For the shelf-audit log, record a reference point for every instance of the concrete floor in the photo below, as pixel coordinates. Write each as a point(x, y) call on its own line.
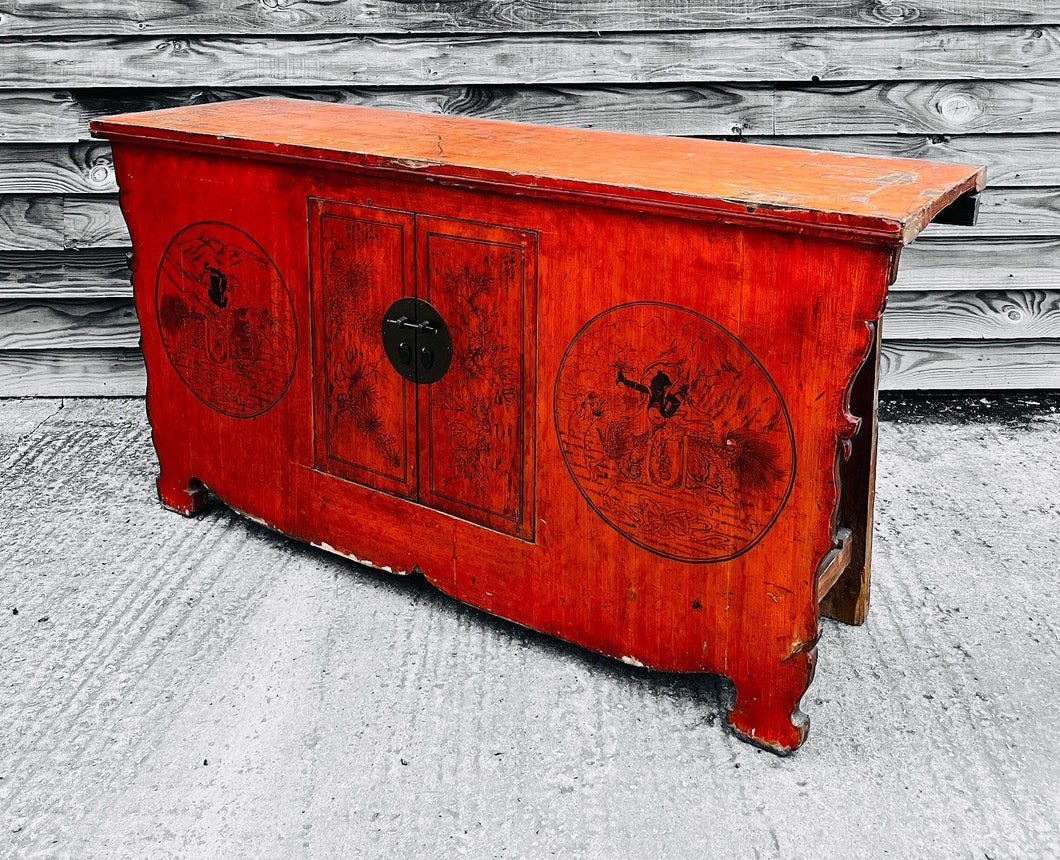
point(205, 688)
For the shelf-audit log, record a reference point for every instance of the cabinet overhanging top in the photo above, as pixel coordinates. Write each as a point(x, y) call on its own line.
point(890, 199)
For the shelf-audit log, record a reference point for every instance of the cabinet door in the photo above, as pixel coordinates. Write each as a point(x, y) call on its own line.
point(477, 421)
point(364, 412)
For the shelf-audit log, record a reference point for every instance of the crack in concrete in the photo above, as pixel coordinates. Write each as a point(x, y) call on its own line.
point(16, 449)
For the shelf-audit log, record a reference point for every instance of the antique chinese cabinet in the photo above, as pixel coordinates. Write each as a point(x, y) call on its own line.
point(619, 389)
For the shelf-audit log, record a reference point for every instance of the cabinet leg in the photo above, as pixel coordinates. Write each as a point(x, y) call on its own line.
point(186, 496)
point(766, 712)
point(848, 600)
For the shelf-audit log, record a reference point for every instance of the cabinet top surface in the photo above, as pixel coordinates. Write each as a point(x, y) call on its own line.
point(889, 198)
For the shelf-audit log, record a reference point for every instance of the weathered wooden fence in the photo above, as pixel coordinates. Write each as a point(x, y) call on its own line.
point(964, 80)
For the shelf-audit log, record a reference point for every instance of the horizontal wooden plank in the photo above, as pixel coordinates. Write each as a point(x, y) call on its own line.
point(749, 109)
point(68, 324)
point(57, 222)
point(970, 365)
point(1010, 160)
point(919, 107)
point(96, 273)
point(246, 17)
point(1017, 212)
point(970, 315)
point(986, 277)
point(72, 373)
point(80, 168)
point(982, 264)
point(692, 110)
point(31, 223)
point(942, 365)
point(31, 116)
point(637, 58)
point(93, 222)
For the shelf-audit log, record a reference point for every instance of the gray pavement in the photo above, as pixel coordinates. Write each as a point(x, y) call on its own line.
point(206, 688)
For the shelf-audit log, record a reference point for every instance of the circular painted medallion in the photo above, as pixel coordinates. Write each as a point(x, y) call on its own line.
point(673, 431)
point(226, 319)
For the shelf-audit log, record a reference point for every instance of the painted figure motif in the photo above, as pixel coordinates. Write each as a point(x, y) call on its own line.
point(226, 319)
point(673, 431)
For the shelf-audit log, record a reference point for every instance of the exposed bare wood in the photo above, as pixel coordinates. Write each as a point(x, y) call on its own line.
point(72, 373)
point(758, 55)
point(66, 324)
point(90, 274)
point(245, 17)
point(835, 563)
point(952, 315)
point(847, 600)
point(970, 365)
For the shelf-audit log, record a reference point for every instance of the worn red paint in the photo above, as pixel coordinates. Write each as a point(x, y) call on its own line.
point(635, 446)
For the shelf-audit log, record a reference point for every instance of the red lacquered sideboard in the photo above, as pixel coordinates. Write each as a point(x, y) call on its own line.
point(619, 389)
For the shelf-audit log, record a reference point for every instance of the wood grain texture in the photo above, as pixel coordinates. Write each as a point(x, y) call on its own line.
point(967, 315)
point(68, 324)
point(31, 223)
point(988, 263)
point(64, 116)
point(756, 55)
point(28, 116)
point(82, 168)
point(919, 107)
point(89, 274)
point(93, 222)
point(724, 109)
point(245, 17)
point(72, 373)
point(56, 222)
point(970, 365)
point(1016, 212)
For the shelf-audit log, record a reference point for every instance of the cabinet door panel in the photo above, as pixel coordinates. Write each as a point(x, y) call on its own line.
point(476, 452)
point(365, 419)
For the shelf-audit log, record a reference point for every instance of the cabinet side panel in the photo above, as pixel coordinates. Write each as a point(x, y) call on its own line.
point(476, 447)
point(364, 411)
